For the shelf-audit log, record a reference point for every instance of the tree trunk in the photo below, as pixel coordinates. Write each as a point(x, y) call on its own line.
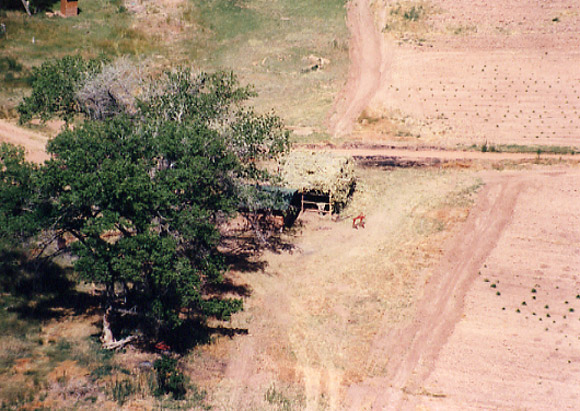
point(108, 340)
point(25, 3)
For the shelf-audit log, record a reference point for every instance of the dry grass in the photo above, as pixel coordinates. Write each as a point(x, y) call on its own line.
point(314, 314)
point(268, 44)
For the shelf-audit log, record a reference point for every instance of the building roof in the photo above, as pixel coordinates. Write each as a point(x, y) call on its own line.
point(319, 172)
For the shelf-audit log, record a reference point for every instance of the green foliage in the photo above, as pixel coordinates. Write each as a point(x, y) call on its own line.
point(54, 85)
point(20, 215)
point(169, 379)
point(17, 188)
point(122, 390)
point(142, 192)
point(414, 13)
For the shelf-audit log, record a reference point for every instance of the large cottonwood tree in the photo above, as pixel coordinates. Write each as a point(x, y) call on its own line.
point(141, 193)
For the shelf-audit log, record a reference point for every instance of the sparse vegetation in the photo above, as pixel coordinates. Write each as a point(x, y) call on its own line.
point(169, 379)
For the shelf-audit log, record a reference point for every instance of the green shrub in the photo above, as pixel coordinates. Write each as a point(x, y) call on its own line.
point(54, 85)
point(122, 390)
point(169, 379)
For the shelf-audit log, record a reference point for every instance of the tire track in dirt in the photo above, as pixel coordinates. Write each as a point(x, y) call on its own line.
point(413, 349)
point(368, 61)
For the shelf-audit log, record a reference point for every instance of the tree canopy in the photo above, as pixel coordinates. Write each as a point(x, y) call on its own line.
point(141, 192)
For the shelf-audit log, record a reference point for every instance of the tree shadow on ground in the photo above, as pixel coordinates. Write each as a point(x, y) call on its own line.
point(43, 288)
point(244, 245)
point(191, 334)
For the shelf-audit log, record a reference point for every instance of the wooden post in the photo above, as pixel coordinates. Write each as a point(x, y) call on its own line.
point(329, 203)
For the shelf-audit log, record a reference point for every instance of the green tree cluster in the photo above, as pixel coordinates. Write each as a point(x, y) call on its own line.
point(141, 193)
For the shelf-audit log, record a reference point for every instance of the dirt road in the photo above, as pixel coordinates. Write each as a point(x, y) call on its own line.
point(34, 143)
point(414, 348)
point(471, 73)
point(368, 62)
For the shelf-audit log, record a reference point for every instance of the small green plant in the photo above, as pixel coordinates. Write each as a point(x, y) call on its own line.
point(524, 303)
point(169, 379)
point(498, 293)
point(102, 371)
point(414, 13)
point(571, 310)
point(546, 306)
point(533, 290)
point(122, 390)
point(493, 285)
point(274, 397)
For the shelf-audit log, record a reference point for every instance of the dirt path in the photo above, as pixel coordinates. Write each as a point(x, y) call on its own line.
point(368, 62)
point(33, 143)
point(413, 349)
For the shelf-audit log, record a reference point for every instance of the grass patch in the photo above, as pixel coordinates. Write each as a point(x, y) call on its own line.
point(267, 44)
point(519, 148)
point(100, 29)
point(407, 17)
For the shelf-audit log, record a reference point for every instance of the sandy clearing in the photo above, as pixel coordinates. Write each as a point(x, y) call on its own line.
point(462, 350)
point(481, 72)
point(416, 345)
point(502, 359)
point(314, 313)
point(34, 143)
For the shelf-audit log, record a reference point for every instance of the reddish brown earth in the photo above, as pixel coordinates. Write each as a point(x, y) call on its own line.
point(478, 72)
point(34, 143)
point(473, 343)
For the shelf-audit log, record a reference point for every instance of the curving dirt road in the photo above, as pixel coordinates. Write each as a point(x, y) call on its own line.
point(368, 62)
point(34, 143)
point(413, 349)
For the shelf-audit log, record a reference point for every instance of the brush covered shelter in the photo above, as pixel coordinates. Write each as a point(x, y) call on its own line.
point(323, 180)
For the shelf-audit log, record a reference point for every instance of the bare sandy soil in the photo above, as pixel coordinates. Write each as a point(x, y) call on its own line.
point(516, 345)
point(34, 143)
point(496, 327)
point(318, 314)
point(436, 304)
point(506, 74)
